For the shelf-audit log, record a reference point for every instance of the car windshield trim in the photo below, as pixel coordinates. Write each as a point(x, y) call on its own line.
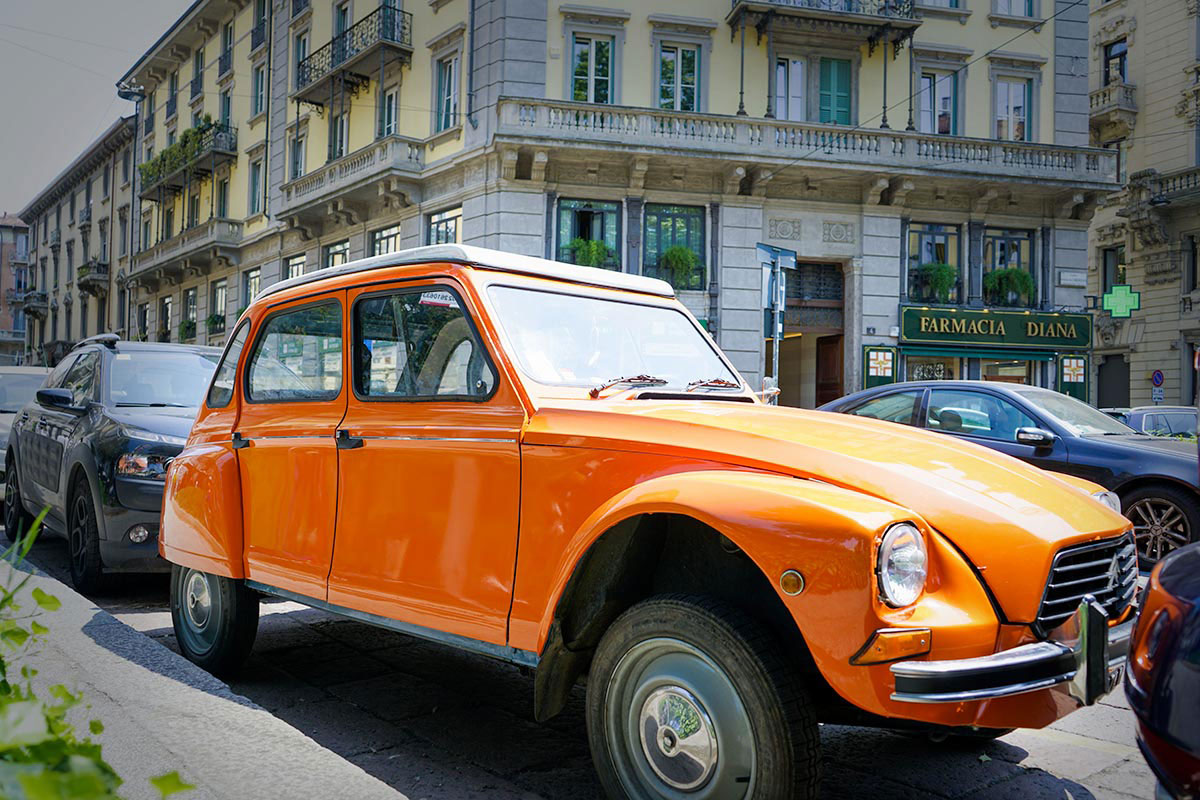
point(1076, 416)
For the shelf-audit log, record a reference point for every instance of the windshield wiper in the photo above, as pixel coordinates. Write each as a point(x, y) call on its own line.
point(150, 405)
point(712, 383)
point(632, 380)
point(9, 410)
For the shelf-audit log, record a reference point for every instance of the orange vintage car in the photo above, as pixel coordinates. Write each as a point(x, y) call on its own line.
point(555, 466)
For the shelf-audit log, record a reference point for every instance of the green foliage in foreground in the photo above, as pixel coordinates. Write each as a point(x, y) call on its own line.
point(42, 757)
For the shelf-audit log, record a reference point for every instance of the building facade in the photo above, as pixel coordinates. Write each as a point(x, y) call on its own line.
point(14, 278)
point(80, 248)
point(931, 157)
point(1145, 103)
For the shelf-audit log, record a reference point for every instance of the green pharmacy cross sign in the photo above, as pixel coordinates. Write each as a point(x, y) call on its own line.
point(1121, 300)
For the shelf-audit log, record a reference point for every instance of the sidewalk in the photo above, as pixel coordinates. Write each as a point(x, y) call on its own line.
point(162, 713)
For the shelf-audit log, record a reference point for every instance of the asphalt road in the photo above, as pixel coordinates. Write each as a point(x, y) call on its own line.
point(438, 723)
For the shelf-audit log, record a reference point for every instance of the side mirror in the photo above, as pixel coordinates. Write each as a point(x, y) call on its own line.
point(57, 398)
point(1035, 437)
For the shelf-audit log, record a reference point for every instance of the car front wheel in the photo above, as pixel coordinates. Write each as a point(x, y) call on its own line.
point(688, 697)
point(215, 619)
point(1164, 519)
point(17, 520)
point(83, 539)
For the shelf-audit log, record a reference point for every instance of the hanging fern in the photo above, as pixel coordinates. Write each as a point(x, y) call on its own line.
point(1010, 286)
point(937, 281)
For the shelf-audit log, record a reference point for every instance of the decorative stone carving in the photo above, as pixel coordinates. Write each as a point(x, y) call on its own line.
point(1115, 29)
point(1112, 233)
point(837, 232)
point(784, 228)
point(1145, 221)
point(874, 189)
point(508, 165)
point(1107, 330)
point(637, 174)
point(1162, 268)
point(899, 190)
point(733, 179)
point(537, 171)
point(981, 201)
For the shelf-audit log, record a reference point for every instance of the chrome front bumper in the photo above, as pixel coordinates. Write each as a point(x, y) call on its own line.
point(1082, 657)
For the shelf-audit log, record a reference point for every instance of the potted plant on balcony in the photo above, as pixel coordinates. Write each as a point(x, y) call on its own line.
point(1011, 286)
point(590, 252)
point(164, 334)
point(680, 263)
point(215, 323)
point(933, 282)
point(187, 330)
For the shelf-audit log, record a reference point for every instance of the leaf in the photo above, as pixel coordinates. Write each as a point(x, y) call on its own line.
point(47, 602)
point(15, 637)
point(170, 784)
point(22, 724)
point(38, 628)
point(96, 727)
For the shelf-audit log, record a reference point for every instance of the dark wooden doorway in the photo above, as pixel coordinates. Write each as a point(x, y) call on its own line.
point(1112, 390)
point(829, 368)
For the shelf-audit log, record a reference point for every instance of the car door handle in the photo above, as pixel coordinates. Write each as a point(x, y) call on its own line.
point(347, 442)
point(238, 441)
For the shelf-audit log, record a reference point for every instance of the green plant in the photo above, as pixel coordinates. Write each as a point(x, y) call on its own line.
point(178, 155)
point(1008, 287)
point(590, 252)
point(41, 753)
point(680, 263)
point(936, 281)
point(187, 329)
point(215, 322)
point(84, 269)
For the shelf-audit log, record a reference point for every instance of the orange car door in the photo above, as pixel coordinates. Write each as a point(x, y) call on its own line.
point(294, 399)
point(429, 466)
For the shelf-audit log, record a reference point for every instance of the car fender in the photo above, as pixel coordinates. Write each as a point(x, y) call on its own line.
point(79, 456)
point(201, 522)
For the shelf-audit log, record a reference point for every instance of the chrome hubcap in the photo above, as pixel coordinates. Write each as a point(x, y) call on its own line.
point(197, 601)
point(1159, 526)
point(678, 738)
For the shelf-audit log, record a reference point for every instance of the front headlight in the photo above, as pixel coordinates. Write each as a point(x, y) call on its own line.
point(1109, 499)
point(902, 565)
point(141, 465)
point(130, 432)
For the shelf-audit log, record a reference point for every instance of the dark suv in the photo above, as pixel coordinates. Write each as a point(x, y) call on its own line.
point(94, 445)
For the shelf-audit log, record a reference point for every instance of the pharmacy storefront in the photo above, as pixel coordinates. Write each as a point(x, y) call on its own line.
point(1034, 348)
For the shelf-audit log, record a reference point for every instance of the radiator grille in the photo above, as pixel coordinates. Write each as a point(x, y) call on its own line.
point(1107, 570)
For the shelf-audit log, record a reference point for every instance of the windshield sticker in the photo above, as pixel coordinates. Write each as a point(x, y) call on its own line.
point(443, 299)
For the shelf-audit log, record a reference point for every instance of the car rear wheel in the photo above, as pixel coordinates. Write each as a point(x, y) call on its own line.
point(83, 539)
point(215, 619)
point(17, 520)
point(688, 697)
point(1164, 519)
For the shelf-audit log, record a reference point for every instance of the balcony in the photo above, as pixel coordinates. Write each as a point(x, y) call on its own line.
point(1113, 111)
point(197, 86)
point(299, 7)
point(92, 277)
point(85, 217)
point(19, 257)
point(173, 169)
point(389, 168)
point(224, 63)
point(36, 304)
point(193, 251)
point(853, 20)
point(9, 335)
point(14, 297)
point(258, 35)
point(800, 146)
point(386, 29)
point(172, 105)
point(55, 239)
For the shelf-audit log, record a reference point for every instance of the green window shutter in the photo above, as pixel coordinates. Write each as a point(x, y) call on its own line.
point(835, 91)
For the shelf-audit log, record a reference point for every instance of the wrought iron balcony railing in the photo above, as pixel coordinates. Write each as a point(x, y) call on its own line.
point(197, 86)
point(895, 9)
point(172, 105)
point(85, 216)
point(258, 35)
point(215, 145)
point(55, 238)
point(386, 24)
point(299, 6)
point(148, 124)
point(225, 63)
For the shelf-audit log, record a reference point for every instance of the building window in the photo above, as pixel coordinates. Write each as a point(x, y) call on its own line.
point(223, 197)
point(1115, 55)
point(1015, 8)
point(125, 166)
point(337, 254)
point(258, 90)
point(105, 180)
point(256, 170)
point(1114, 267)
point(446, 98)
point(122, 236)
point(103, 234)
point(835, 92)
point(385, 241)
point(341, 18)
point(387, 113)
point(446, 227)
point(939, 103)
point(164, 319)
point(1013, 101)
point(934, 274)
point(678, 77)
point(293, 267)
point(193, 216)
point(143, 320)
point(338, 134)
point(671, 234)
point(300, 52)
point(251, 282)
point(591, 69)
point(297, 147)
point(187, 326)
point(197, 71)
point(146, 232)
point(226, 108)
point(216, 306)
point(1008, 272)
point(790, 89)
point(169, 223)
point(71, 208)
point(170, 138)
point(589, 233)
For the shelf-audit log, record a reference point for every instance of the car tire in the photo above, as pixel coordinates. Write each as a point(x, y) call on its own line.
point(215, 619)
point(83, 539)
point(1164, 519)
point(687, 695)
point(17, 521)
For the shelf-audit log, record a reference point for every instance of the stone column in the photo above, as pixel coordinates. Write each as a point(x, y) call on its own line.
point(633, 234)
point(975, 262)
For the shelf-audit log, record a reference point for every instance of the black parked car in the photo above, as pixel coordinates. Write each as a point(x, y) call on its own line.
point(1162, 679)
point(1154, 477)
point(94, 446)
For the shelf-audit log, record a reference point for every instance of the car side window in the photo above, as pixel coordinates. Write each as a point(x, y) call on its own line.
point(976, 414)
point(221, 391)
point(416, 345)
point(81, 380)
point(899, 407)
point(59, 373)
point(298, 356)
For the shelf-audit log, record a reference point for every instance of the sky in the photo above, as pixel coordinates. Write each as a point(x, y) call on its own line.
point(59, 61)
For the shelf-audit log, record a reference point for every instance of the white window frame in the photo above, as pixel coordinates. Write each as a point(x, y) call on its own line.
point(254, 199)
point(796, 102)
point(258, 90)
point(593, 39)
point(297, 154)
point(445, 104)
point(339, 134)
point(389, 112)
point(301, 46)
point(595, 21)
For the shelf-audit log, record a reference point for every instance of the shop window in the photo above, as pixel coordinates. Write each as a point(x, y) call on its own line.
point(251, 283)
point(446, 227)
point(934, 271)
point(674, 244)
point(1008, 270)
point(1113, 267)
point(337, 254)
point(293, 267)
point(975, 414)
point(385, 241)
point(931, 368)
point(1007, 371)
point(589, 233)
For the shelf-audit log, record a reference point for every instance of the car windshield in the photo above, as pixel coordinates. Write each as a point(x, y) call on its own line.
point(571, 340)
point(153, 378)
point(17, 390)
point(1077, 416)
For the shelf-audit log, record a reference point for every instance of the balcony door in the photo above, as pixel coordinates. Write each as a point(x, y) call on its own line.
point(835, 91)
point(790, 77)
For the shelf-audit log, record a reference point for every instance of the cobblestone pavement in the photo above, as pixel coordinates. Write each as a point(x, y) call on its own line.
point(439, 723)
